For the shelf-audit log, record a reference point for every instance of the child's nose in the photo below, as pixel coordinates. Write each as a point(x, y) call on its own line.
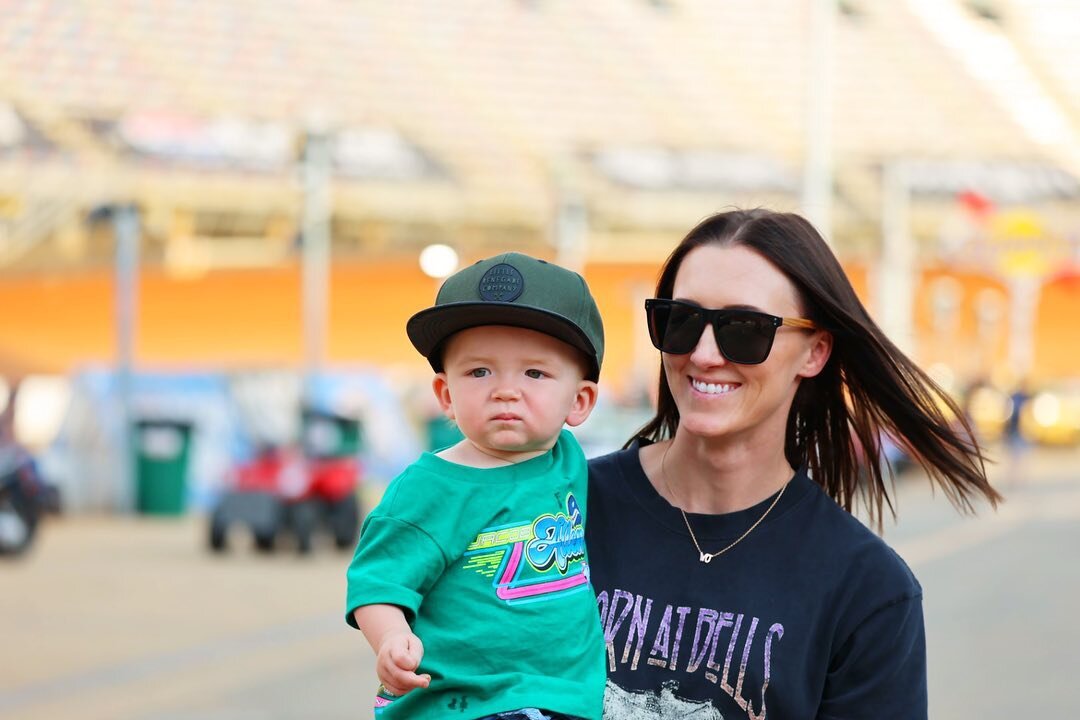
point(506, 392)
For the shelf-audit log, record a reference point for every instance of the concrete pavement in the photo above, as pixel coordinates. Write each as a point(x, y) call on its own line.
point(1001, 591)
point(116, 618)
point(131, 619)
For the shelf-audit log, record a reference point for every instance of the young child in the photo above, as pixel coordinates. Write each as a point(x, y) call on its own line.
point(470, 579)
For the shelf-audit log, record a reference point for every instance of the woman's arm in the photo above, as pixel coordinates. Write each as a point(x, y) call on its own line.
point(879, 672)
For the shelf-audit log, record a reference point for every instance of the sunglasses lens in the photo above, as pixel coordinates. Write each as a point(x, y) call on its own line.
point(745, 339)
point(675, 328)
point(657, 316)
point(684, 327)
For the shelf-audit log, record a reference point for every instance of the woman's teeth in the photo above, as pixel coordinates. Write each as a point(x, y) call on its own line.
point(712, 388)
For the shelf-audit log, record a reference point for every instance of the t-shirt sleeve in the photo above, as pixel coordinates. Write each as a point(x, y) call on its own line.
point(879, 672)
point(395, 564)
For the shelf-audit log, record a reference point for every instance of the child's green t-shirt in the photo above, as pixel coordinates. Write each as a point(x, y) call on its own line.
point(489, 566)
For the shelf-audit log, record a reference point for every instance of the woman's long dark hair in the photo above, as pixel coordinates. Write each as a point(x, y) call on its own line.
point(867, 388)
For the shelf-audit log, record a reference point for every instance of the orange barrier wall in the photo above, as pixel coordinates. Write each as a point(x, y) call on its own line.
point(243, 318)
point(1057, 340)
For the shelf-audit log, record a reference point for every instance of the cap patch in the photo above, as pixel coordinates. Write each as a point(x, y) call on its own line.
point(501, 283)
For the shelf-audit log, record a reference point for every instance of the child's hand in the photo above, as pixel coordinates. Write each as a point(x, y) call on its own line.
point(398, 657)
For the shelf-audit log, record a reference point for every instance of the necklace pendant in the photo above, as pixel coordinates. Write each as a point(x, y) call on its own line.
point(705, 557)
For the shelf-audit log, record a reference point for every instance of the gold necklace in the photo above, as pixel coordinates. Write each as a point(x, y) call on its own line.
point(702, 555)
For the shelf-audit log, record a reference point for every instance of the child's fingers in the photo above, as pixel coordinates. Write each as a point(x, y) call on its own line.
point(397, 662)
point(401, 671)
point(399, 681)
point(416, 648)
point(392, 690)
point(408, 654)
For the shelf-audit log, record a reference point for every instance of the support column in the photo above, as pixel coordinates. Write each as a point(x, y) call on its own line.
point(817, 182)
point(894, 291)
point(315, 253)
point(127, 234)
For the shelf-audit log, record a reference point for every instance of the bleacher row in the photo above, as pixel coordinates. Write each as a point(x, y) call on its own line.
point(511, 100)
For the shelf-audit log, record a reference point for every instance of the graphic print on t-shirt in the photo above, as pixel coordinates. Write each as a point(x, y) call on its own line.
point(691, 644)
point(534, 560)
point(622, 704)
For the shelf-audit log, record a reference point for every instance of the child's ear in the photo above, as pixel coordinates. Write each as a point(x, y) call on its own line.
point(584, 402)
point(442, 394)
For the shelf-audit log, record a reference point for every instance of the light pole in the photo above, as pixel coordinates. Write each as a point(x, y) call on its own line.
point(817, 178)
point(126, 233)
point(895, 291)
point(315, 253)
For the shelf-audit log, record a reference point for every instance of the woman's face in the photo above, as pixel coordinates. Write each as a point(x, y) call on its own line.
point(721, 399)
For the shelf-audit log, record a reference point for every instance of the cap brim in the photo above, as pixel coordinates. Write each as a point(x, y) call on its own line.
point(428, 329)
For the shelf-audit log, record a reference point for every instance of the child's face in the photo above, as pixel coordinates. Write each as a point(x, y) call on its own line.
point(511, 390)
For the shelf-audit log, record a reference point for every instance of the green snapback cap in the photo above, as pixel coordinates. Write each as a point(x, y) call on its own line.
point(517, 290)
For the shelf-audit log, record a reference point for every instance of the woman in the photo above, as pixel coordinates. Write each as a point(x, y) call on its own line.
point(731, 578)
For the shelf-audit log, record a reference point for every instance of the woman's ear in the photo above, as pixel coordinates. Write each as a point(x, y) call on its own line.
point(442, 393)
point(584, 402)
point(821, 343)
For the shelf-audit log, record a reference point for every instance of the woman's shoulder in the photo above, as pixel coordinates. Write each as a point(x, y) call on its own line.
point(859, 553)
point(606, 463)
point(607, 470)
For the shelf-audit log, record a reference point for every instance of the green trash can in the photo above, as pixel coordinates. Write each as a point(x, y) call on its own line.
point(162, 448)
point(327, 435)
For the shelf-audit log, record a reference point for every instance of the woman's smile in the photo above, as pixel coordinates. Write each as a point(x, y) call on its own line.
point(713, 388)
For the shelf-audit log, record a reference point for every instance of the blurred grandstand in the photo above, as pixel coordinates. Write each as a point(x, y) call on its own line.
point(474, 115)
point(596, 133)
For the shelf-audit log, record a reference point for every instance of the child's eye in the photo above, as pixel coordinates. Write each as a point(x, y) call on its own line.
point(479, 372)
point(534, 374)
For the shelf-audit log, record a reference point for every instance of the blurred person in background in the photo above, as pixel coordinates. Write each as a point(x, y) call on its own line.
point(1016, 445)
point(470, 580)
point(732, 579)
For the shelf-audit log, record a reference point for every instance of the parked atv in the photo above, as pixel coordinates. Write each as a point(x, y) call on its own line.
point(297, 491)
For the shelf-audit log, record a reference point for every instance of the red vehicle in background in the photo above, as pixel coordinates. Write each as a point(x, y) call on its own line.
point(297, 490)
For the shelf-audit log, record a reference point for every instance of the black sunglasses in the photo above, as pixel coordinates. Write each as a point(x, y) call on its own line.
point(743, 336)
